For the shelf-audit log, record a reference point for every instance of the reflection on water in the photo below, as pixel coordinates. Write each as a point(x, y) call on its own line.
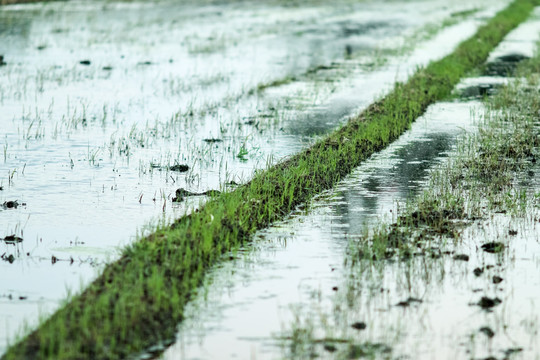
point(403, 179)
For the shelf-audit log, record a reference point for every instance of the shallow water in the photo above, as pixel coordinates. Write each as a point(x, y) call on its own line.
point(249, 302)
point(295, 278)
point(98, 99)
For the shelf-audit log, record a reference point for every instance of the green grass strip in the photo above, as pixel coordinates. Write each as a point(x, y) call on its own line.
point(139, 300)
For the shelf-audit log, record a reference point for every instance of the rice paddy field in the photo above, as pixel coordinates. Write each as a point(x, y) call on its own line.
point(269, 179)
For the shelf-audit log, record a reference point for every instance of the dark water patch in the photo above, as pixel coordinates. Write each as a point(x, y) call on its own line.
point(410, 164)
point(505, 65)
point(479, 91)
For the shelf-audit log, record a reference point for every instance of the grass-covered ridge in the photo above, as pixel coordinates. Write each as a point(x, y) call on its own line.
point(138, 300)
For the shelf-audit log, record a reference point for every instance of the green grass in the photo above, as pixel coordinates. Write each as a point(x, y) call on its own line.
point(138, 300)
point(489, 174)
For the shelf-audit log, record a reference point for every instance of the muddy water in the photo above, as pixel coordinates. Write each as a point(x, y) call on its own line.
point(99, 100)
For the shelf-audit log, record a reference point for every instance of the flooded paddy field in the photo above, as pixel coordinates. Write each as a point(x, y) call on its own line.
point(108, 109)
point(295, 297)
point(248, 303)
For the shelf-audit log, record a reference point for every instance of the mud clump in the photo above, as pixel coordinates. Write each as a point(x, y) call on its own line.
point(85, 62)
point(2, 62)
point(493, 247)
point(179, 168)
point(478, 271)
point(409, 302)
point(182, 193)
point(10, 204)
point(330, 348)
point(487, 303)
point(9, 258)
point(461, 257)
point(487, 331)
point(496, 279)
point(359, 325)
point(12, 239)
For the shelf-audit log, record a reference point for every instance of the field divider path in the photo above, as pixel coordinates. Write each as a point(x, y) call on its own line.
point(135, 304)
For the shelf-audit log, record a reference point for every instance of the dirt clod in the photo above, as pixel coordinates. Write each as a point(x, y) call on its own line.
point(512, 351)
point(461, 257)
point(12, 239)
point(85, 62)
point(10, 204)
point(359, 325)
point(487, 331)
point(488, 303)
point(179, 168)
point(497, 279)
point(10, 259)
point(512, 232)
point(493, 247)
point(408, 302)
point(478, 271)
point(330, 348)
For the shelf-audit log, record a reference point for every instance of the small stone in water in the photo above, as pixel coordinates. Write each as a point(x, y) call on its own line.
point(359, 325)
point(487, 303)
point(493, 247)
point(487, 331)
point(461, 257)
point(179, 167)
